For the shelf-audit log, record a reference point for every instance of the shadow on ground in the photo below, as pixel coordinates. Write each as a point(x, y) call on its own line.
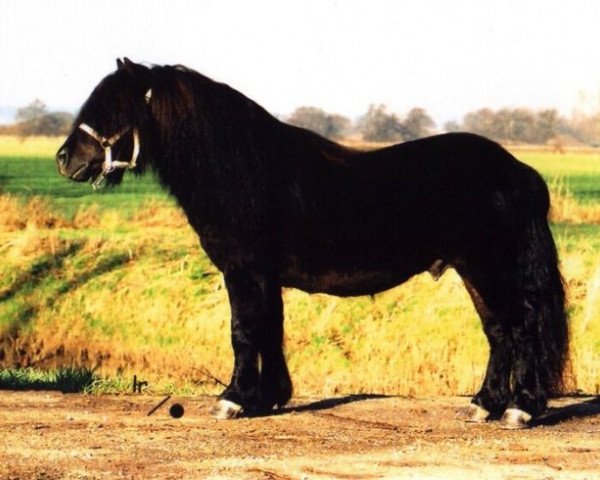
point(328, 403)
point(556, 415)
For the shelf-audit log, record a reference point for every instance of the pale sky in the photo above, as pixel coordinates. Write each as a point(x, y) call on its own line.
point(449, 57)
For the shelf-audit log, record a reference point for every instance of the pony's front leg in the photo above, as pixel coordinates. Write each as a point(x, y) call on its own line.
point(256, 330)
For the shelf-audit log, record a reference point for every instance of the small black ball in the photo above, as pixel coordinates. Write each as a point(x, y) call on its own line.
point(176, 410)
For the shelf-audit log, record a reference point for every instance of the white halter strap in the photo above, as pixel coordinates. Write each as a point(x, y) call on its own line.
point(107, 144)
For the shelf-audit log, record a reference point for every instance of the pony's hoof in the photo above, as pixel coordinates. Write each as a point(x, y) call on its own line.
point(475, 414)
point(225, 410)
point(515, 419)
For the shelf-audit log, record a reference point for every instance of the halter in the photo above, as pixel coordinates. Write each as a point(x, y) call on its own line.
point(107, 143)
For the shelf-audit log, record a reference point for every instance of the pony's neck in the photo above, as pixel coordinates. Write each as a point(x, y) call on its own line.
point(213, 145)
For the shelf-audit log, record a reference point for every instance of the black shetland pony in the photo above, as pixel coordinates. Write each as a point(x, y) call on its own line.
point(279, 206)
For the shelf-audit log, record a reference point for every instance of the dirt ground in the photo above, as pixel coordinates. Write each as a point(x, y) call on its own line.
point(48, 435)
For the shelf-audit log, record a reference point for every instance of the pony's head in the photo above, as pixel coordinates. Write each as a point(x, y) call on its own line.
point(105, 137)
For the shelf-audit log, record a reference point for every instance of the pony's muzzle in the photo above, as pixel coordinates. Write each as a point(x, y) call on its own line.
point(67, 168)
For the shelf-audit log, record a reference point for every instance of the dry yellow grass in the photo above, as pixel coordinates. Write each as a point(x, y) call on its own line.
point(147, 301)
point(17, 215)
point(566, 208)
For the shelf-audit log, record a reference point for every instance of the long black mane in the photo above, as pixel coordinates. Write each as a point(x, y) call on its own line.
point(231, 143)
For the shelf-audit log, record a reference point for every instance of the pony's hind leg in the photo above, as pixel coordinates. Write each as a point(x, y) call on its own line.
point(493, 397)
point(520, 297)
point(540, 333)
point(530, 390)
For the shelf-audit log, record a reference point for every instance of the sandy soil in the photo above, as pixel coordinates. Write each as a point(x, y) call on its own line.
point(48, 435)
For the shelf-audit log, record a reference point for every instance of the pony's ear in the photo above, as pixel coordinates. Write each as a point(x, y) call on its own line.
point(132, 68)
point(139, 73)
point(128, 64)
point(125, 64)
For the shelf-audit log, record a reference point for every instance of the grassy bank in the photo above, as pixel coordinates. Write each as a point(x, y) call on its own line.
point(117, 282)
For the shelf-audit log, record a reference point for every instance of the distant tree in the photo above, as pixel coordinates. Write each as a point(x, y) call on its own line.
point(31, 112)
point(319, 121)
point(585, 128)
point(34, 119)
point(378, 125)
point(339, 126)
point(523, 125)
point(313, 118)
point(547, 124)
point(513, 125)
point(502, 127)
point(481, 121)
point(55, 123)
point(417, 124)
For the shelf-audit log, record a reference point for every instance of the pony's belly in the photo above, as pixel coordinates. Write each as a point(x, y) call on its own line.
point(344, 283)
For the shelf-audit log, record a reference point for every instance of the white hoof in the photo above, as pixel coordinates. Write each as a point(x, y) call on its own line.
point(225, 409)
point(475, 414)
point(515, 419)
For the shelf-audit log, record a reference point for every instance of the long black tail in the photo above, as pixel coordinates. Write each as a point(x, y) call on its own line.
point(542, 284)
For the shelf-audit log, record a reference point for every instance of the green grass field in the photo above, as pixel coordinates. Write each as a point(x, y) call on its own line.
point(34, 173)
point(116, 282)
point(27, 169)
